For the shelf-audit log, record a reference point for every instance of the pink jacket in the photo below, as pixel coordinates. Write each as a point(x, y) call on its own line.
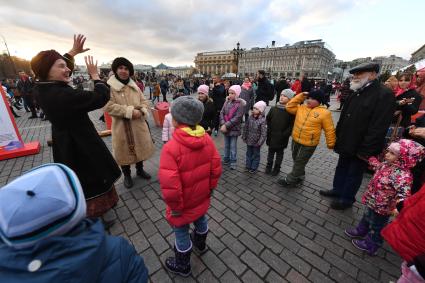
point(391, 182)
point(167, 128)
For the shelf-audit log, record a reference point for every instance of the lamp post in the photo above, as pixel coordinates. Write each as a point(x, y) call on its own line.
point(343, 66)
point(238, 51)
point(8, 53)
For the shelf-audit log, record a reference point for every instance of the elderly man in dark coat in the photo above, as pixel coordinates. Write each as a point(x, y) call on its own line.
point(360, 132)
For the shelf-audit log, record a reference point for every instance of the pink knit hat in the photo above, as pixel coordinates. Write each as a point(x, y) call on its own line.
point(203, 89)
point(260, 105)
point(236, 89)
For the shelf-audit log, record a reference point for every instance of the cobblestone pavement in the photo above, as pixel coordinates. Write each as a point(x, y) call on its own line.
point(259, 231)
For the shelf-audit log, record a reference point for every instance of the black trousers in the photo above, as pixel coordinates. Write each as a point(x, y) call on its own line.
point(126, 169)
point(279, 157)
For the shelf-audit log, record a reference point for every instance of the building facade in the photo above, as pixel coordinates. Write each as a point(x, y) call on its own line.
point(418, 55)
point(182, 71)
point(216, 62)
point(311, 58)
point(390, 63)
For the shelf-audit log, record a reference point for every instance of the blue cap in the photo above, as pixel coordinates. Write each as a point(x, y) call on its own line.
point(44, 202)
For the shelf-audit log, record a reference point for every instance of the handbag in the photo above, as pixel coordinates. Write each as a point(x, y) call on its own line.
point(395, 132)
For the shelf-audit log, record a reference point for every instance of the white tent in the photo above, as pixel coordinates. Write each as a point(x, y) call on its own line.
point(198, 75)
point(229, 75)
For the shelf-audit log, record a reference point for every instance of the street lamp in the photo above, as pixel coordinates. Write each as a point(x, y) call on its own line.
point(8, 53)
point(343, 66)
point(238, 51)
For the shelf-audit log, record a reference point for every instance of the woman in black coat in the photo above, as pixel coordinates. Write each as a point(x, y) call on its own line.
point(208, 117)
point(76, 142)
point(408, 100)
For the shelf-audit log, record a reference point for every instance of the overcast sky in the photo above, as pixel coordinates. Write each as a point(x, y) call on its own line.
point(172, 32)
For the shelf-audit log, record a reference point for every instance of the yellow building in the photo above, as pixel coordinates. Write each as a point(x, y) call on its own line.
point(216, 62)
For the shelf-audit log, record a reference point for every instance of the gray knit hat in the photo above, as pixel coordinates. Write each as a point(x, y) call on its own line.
point(288, 93)
point(187, 110)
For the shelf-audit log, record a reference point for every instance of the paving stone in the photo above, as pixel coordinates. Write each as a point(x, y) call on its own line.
point(309, 244)
point(151, 261)
point(273, 277)
point(233, 244)
point(213, 263)
point(318, 277)
point(295, 277)
point(215, 228)
point(130, 226)
point(365, 278)
point(296, 262)
point(161, 276)
point(123, 213)
point(215, 214)
point(139, 242)
point(255, 263)
point(251, 243)
point(231, 215)
point(233, 262)
point(153, 214)
point(206, 277)
point(362, 265)
point(314, 260)
point(340, 276)
point(285, 229)
point(148, 228)
point(275, 262)
point(215, 244)
point(287, 242)
point(158, 244)
point(319, 230)
point(248, 227)
point(270, 243)
point(302, 229)
point(340, 263)
point(251, 277)
point(229, 277)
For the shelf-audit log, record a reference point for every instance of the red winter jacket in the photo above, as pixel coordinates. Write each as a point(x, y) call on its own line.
point(189, 169)
point(406, 234)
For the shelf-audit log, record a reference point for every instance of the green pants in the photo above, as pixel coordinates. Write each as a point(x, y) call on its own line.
point(301, 154)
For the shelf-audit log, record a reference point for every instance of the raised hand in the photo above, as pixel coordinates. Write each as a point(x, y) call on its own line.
point(78, 46)
point(91, 67)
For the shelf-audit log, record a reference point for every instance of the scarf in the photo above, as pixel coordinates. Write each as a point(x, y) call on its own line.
point(124, 82)
point(246, 85)
point(232, 111)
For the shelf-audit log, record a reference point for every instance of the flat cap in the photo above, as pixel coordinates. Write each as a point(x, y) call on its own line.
point(365, 67)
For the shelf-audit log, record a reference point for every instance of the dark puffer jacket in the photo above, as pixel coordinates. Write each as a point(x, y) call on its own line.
point(86, 254)
point(279, 127)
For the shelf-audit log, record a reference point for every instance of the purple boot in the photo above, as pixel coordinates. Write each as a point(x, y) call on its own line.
point(366, 245)
point(358, 232)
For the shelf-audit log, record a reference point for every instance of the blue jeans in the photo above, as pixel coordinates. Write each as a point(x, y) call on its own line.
point(230, 149)
point(183, 242)
point(376, 222)
point(348, 178)
point(252, 157)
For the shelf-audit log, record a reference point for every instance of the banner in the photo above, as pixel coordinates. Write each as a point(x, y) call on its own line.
point(11, 144)
point(9, 135)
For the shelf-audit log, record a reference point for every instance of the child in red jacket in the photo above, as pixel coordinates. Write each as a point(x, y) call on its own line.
point(189, 169)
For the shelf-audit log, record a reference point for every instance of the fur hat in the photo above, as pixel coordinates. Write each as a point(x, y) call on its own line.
point(43, 61)
point(121, 61)
point(187, 110)
point(203, 89)
point(44, 202)
point(289, 93)
point(260, 105)
point(236, 89)
point(317, 95)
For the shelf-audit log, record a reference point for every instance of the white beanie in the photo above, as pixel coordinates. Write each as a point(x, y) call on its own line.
point(260, 105)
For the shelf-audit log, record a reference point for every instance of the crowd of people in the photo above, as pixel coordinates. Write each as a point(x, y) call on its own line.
point(377, 128)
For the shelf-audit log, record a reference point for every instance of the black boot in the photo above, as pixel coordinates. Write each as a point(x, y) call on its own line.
point(180, 264)
point(268, 169)
point(198, 240)
point(276, 171)
point(128, 182)
point(140, 172)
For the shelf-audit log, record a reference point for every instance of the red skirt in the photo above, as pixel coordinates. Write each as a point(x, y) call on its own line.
point(98, 206)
